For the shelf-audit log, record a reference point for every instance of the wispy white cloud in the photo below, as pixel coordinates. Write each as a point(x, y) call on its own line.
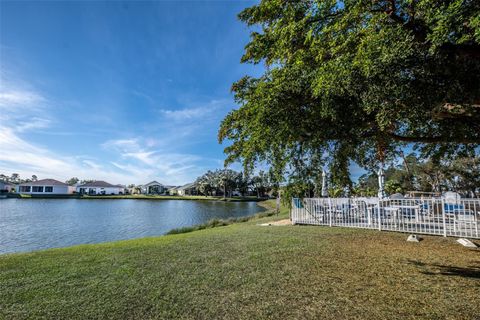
point(32, 124)
point(190, 126)
point(19, 99)
point(26, 158)
point(143, 156)
point(23, 109)
point(143, 95)
point(180, 129)
point(154, 153)
point(123, 145)
point(185, 113)
point(197, 111)
point(171, 167)
point(92, 164)
point(16, 150)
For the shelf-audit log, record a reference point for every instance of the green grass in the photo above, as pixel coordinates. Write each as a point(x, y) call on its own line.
point(245, 271)
point(221, 222)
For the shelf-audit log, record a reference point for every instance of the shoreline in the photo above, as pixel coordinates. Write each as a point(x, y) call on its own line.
point(136, 197)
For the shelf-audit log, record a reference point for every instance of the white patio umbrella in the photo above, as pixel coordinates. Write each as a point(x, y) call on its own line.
point(324, 184)
point(381, 183)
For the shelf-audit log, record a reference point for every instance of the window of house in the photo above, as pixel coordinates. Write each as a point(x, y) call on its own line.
point(37, 189)
point(48, 189)
point(25, 189)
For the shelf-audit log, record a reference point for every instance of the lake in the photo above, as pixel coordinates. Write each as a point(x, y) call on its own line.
point(34, 224)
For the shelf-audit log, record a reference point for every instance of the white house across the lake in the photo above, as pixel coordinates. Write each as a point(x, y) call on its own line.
point(6, 186)
point(189, 189)
point(154, 187)
point(100, 188)
point(45, 186)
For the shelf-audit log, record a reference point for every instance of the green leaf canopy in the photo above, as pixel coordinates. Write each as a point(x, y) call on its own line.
point(354, 80)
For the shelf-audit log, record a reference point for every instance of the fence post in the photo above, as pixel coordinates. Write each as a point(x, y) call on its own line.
point(330, 211)
point(292, 209)
point(444, 218)
point(379, 216)
point(475, 219)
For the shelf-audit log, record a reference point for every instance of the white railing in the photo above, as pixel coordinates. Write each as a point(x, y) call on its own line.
point(412, 215)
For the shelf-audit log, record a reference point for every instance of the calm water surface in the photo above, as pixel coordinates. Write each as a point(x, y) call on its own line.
point(34, 224)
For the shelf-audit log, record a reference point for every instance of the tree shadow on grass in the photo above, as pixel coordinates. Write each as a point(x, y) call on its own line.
point(444, 270)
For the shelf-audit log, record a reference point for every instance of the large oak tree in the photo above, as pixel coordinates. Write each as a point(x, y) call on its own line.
point(355, 80)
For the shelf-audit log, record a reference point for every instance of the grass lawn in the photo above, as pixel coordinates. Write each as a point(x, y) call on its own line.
point(245, 271)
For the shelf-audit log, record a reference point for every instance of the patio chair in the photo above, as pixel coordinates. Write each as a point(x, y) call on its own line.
point(458, 212)
point(362, 211)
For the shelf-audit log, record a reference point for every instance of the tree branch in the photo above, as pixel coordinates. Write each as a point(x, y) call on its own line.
point(436, 139)
point(324, 18)
point(462, 50)
point(417, 28)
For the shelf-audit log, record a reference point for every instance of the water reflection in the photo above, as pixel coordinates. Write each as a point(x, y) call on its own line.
point(33, 224)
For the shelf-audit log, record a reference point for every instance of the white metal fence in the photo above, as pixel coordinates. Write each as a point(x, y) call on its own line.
point(413, 215)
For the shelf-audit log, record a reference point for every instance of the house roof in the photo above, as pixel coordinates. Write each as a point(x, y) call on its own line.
point(98, 184)
point(152, 183)
point(44, 182)
point(187, 186)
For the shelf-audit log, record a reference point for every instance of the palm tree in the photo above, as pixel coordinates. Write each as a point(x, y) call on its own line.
point(72, 181)
point(15, 177)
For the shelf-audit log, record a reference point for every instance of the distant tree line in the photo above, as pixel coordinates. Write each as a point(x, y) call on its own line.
point(409, 173)
point(74, 180)
point(461, 175)
point(226, 182)
point(15, 178)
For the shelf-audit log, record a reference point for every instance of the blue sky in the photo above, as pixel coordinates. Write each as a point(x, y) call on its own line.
point(125, 92)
